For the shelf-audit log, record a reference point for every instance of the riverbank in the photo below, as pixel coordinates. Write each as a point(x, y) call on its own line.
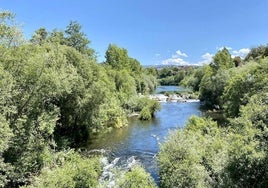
point(174, 98)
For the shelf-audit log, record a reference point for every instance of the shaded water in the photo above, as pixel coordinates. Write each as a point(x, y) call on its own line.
point(141, 138)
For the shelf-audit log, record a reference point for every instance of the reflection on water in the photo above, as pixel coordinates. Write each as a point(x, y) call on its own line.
point(170, 89)
point(141, 138)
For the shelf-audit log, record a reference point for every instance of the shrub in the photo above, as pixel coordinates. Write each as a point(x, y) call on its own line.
point(145, 114)
point(137, 177)
point(194, 157)
point(74, 171)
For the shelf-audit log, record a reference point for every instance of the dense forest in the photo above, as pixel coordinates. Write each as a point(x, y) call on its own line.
point(54, 96)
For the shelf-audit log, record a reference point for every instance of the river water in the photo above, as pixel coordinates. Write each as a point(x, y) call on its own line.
point(141, 138)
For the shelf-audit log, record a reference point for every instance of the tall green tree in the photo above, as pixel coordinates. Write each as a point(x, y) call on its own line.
point(222, 60)
point(257, 53)
point(77, 39)
point(39, 36)
point(56, 37)
point(117, 57)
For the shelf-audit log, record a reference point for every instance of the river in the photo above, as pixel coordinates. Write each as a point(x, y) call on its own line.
point(141, 138)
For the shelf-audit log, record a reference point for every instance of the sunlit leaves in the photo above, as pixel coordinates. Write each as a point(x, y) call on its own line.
point(70, 170)
point(10, 34)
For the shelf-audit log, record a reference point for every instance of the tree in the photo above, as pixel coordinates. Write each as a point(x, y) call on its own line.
point(56, 37)
point(6, 86)
point(212, 86)
point(77, 39)
point(195, 156)
point(39, 36)
point(257, 53)
point(238, 61)
point(245, 82)
point(222, 60)
point(135, 66)
point(117, 57)
point(10, 33)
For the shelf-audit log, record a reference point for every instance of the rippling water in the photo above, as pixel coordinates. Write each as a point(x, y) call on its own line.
point(141, 138)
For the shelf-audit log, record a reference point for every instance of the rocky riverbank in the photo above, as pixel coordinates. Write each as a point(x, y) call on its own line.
point(173, 98)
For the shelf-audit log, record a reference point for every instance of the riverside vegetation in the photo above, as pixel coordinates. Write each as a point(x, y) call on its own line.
point(54, 96)
point(233, 154)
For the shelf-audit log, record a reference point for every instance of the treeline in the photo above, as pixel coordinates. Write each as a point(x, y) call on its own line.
point(173, 75)
point(234, 154)
point(54, 95)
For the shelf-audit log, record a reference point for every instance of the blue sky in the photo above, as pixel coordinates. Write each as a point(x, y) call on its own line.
point(154, 31)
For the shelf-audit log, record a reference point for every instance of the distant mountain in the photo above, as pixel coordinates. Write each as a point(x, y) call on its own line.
point(169, 66)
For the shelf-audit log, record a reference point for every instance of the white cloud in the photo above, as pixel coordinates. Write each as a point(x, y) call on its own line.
point(174, 56)
point(157, 55)
point(176, 59)
point(179, 57)
point(241, 53)
point(181, 54)
point(206, 58)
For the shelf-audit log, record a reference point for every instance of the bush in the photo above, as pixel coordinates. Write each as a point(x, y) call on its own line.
point(137, 177)
point(194, 157)
point(72, 170)
point(145, 114)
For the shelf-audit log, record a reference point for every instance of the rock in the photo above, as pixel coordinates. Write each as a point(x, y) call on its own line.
point(159, 97)
point(131, 162)
point(111, 165)
point(104, 161)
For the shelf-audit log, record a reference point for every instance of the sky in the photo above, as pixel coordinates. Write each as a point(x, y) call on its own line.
point(154, 32)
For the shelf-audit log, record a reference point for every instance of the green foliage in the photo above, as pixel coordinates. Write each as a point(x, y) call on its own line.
point(234, 155)
point(212, 86)
point(193, 80)
point(130, 79)
point(117, 57)
point(257, 53)
point(215, 78)
point(10, 33)
point(247, 166)
point(145, 114)
point(238, 61)
point(146, 83)
point(29, 114)
point(77, 39)
point(56, 37)
point(126, 70)
point(174, 75)
point(39, 37)
point(246, 81)
point(137, 177)
point(54, 95)
point(147, 107)
point(222, 60)
point(5, 137)
point(151, 71)
point(70, 170)
point(193, 157)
